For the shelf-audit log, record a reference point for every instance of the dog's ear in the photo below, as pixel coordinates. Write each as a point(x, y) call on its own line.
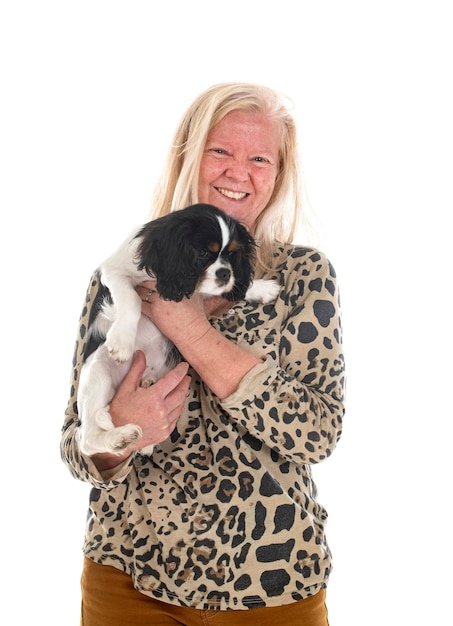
point(165, 253)
point(243, 263)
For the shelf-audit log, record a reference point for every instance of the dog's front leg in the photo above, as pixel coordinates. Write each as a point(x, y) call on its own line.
point(120, 275)
point(120, 339)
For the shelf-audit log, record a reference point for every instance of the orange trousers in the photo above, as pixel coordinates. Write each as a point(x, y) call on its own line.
point(109, 599)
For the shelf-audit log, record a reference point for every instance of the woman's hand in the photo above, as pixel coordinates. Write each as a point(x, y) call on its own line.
point(155, 409)
point(220, 363)
point(183, 322)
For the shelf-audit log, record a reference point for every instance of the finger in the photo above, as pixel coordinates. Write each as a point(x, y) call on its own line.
point(146, 289)
point(172, 379)
point(133, 378)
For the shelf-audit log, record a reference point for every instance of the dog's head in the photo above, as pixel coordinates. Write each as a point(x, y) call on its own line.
point(198, 248)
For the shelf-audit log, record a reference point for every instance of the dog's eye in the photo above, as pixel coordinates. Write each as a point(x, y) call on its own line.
point(203, 253)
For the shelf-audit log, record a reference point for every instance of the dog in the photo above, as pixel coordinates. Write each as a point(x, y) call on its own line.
point(196, 249)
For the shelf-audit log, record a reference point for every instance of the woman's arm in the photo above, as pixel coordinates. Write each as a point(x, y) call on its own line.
point(155, 410)
point(220, 363)
point(288, 389)
point(294, 402)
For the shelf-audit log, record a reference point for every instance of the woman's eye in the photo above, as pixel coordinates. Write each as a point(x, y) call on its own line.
point(219, 151)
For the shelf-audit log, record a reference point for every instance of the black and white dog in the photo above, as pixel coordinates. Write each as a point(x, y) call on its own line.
point(196, 249)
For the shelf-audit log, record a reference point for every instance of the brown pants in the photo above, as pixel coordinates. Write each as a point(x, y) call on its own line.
point(109, 599)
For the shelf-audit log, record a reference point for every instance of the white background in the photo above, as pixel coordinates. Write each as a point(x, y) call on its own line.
point(91, 94)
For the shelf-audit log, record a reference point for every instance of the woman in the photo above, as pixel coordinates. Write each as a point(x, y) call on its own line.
point(222, 521)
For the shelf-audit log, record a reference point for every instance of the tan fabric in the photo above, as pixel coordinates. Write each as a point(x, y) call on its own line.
point(224, 515)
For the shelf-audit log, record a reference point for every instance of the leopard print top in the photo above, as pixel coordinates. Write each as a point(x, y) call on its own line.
point(224, 514)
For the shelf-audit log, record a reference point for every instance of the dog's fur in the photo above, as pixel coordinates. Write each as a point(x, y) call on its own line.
point(197, 249)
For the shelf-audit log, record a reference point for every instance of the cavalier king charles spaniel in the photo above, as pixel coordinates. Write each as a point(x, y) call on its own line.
point(196, 249)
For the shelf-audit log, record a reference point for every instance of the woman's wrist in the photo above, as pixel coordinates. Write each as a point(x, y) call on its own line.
point(105, 462)
point(220, 363)
point(193, 335)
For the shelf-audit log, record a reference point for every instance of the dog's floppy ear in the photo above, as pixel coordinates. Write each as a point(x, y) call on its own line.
point(243, 263)
point(165, 253)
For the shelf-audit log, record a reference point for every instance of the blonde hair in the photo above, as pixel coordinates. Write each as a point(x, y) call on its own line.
point(178, 186)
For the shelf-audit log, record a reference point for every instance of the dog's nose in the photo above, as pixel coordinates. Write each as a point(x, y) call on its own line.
point(223, 274)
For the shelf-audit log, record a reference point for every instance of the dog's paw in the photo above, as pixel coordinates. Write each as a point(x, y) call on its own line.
point(147, 381)
point(263, 291)
point(123, 437)
point(148, 378)
point(120, 345)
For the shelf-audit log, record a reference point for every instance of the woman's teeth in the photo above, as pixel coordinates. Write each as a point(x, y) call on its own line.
point(234, 195)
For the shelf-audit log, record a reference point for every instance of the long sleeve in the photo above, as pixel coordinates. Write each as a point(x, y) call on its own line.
point(225, 511)
point(293, 402)
point(81, 466)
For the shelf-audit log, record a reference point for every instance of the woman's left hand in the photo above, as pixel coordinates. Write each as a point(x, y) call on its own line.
point(220, 363)
point(183, 321)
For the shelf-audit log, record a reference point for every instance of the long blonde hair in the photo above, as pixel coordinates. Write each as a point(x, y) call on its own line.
point(178, 185)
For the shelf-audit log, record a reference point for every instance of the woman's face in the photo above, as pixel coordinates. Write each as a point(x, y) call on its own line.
point(240, 164)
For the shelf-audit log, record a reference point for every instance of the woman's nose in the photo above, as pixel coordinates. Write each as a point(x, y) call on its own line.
point(238, 170)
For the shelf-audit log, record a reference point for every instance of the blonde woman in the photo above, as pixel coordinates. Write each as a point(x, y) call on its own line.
point(222, 522)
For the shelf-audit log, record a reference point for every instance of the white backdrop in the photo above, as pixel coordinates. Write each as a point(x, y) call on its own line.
point(91, 93)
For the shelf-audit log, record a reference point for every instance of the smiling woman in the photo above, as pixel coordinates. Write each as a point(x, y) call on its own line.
point(223, 514)
point(238, 139)
point(239, 166)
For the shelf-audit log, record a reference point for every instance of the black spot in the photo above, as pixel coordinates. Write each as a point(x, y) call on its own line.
point(284, 517)
point(225, 462)
point(246, 481)
point(330, 286)
point(269, 486)
point(307, 332)
point(253, 601)
point(308, 533)
point(240, 559)
point(324, 311)
point(315, 285)
point(95, 494)
point(285, 346)
point(226, 490)
point(289, 443)
point(274, 581)
point(251, 441)
point(260, 516)
point(275, 552)
point(243, 582)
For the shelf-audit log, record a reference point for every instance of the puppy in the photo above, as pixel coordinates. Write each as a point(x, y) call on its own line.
point(197, 249)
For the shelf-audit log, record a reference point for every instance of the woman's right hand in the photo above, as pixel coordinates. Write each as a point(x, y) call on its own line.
point(155, 409)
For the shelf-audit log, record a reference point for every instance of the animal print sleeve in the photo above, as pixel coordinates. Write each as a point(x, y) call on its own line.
point(81, 466)
point(294, 400)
